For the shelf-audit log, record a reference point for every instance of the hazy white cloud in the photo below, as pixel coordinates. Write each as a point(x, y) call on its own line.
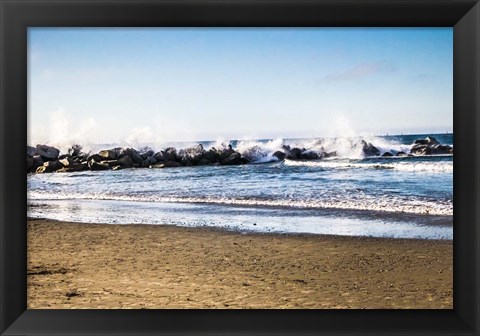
point(361, 70)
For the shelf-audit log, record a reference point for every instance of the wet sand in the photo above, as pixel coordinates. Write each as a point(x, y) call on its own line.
point(72, 265)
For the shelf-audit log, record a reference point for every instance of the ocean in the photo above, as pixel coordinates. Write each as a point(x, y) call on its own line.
point(353, 195)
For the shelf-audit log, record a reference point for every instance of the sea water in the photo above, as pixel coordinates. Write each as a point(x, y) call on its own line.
point(397, 197)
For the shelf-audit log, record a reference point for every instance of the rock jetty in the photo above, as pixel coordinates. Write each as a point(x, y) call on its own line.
point(430, 146)
point(47, 159)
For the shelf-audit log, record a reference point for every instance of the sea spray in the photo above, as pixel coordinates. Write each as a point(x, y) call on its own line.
point(63, 132)
point(259, 152)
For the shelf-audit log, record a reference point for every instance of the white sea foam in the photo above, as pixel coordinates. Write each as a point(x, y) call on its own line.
point(358, 202)
point(343, 147)
point(259, 152)
point(241, 219)
point(410, 166)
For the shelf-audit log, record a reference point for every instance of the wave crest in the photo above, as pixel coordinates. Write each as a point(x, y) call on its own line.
point(433, 167)
point(368, 203)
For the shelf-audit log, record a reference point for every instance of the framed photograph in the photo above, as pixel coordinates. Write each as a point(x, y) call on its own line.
point(240, 167)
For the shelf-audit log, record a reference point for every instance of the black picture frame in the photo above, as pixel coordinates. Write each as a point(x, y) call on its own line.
point(18, 15)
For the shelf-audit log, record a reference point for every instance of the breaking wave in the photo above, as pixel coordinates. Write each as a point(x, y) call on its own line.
point(360, 202)
point(262, 151)
point(406, 165)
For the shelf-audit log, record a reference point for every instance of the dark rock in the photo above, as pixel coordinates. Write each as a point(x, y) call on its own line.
point(94, 165)
point(75, 150)
point(430, 146)
point(330, 154)
point(50, 166)
point(126, 161)
point(225, 153)
point(294, 153)
point(37, 162)
point(170, 154)
point(204, 162)
point(442, 150)
point(369, 149)
point(117, 167)
point(95, 157)
point(279, 155)
point(172, 164)
point(53, 165)
point(111, 163)
point(387, 154)
point(75, 167)
point(112, 154)
point(148, 162)
point(82, 156)
point(234, 159)
point(133, 154)
point(31, 151)
point(401, 154)
point(421, 150)
point(427, 141)
point(144, 149)
point(145, 154)
point(107, 154)
point(192, 154)
point(212, 155)
point(186, 162)
point(47, 153)
point(64, 156)
point(66, 161)
point(158, 157)
point(119, 152)
point(309, 155)
point(253, 153)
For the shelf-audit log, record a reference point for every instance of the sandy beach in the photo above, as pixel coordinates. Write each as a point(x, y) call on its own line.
point(72, 265)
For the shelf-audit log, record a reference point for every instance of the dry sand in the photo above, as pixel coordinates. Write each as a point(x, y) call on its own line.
point(73, 265)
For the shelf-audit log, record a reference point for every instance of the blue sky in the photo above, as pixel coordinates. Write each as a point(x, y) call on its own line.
point(170, 84)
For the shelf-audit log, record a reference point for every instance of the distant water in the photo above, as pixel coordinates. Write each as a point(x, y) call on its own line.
point(400, 197)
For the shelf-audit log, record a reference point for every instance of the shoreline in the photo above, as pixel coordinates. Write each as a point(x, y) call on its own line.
point(153, 266)
point(233, 230)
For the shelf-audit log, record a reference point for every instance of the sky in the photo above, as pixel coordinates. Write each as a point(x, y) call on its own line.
point(156, 85)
